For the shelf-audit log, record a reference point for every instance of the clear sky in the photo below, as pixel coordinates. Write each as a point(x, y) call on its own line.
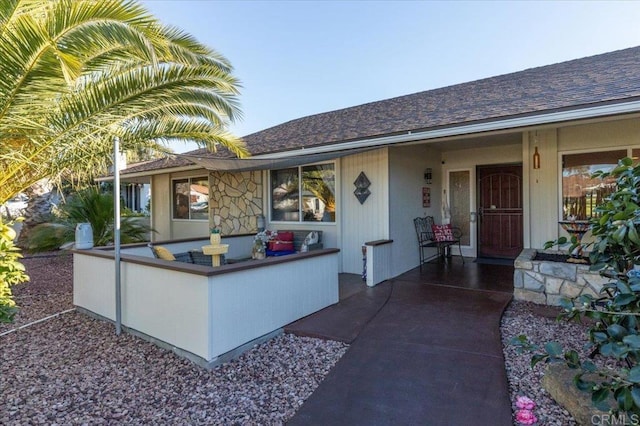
point(297, 58)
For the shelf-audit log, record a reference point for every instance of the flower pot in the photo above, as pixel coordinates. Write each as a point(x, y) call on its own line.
point(215, 239)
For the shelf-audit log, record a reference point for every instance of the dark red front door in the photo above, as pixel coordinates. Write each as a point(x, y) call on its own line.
point(500, 211)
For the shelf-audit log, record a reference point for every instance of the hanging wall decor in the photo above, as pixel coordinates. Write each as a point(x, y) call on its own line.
point(426, 196)
point(362, 187)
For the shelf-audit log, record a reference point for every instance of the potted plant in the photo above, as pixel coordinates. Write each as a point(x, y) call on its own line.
point(260, 244)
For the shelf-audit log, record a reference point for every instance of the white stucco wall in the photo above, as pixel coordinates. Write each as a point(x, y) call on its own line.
point(207, 315)
point(168, 228)
point(161, 207)
point(542, 186)
point(169, 305)
point(360, 223)
point(406, 180)
point(620, 133)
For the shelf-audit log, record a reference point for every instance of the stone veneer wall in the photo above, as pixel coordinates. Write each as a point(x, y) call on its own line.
point(235, 201)
point(547, 282)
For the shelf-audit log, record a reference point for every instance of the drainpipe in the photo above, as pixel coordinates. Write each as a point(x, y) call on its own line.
point(116, 230)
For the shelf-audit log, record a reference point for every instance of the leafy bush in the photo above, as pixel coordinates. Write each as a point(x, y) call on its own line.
point(89, 205)
point(11, 271)
point(614, 331)
point(127, 212)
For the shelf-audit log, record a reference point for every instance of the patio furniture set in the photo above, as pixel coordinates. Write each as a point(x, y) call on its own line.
point(280, 243)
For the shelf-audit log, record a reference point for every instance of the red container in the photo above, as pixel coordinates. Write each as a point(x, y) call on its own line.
point(280, 245)
point(285, 236)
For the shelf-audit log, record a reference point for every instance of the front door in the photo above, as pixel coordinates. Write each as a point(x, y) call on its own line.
point(500, 211)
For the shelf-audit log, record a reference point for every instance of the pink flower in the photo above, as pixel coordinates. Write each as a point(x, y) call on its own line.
point(525, 403)
point(526, 417)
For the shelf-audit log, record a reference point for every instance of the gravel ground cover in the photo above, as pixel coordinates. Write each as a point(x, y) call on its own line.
point(72, 369)
point(50, 290)
point(539, 324)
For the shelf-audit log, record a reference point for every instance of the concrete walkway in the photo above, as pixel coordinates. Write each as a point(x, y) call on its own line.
point(420, 355)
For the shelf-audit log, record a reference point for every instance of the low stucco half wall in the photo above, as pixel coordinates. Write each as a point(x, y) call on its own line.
point(202, 310)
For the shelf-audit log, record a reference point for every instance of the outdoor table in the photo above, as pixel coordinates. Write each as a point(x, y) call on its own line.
point(215, 252)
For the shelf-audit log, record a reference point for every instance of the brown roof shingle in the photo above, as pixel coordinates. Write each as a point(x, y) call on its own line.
point(575, 84)
point(606, 78)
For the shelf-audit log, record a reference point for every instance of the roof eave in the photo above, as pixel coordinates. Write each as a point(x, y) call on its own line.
point(150, 173)
point(529, 120)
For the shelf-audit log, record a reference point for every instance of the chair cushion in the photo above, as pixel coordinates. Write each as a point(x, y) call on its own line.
point(162, 253)
point(442, 233)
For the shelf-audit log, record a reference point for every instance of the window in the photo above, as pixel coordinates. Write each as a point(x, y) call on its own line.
point(580, 193)
point(304, 194)
point(191, 198)
point(460, 199)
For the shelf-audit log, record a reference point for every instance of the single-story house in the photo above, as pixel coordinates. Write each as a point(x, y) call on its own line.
point(504, 158)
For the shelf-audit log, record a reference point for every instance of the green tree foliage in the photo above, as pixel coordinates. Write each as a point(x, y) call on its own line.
point(77, 73)
point(614, 331)
point(92, 206)
point(11, 271)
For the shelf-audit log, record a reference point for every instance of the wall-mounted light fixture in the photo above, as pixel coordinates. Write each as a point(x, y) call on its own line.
point(428, 176)
point(536, 155)
point(536, 158)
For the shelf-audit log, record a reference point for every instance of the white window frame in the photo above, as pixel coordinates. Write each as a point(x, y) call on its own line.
point(473, 230)
point(629, 149)
point(269, 193)
point(190, 179)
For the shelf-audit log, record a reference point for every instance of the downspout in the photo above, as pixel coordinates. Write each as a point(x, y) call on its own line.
point(116, 230)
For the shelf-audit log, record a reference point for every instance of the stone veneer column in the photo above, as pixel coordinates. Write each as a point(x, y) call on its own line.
point(236, 199)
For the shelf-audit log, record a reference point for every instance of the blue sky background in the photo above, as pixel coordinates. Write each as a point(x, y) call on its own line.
point(297, 58)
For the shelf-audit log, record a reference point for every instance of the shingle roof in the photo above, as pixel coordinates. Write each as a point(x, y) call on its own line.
point(162, 163)
point(606, 78)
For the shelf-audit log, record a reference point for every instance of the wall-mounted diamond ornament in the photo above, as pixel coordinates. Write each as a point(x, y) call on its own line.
point(362, 187)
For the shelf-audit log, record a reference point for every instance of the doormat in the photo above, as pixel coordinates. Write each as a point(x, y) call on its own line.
point(494, 261)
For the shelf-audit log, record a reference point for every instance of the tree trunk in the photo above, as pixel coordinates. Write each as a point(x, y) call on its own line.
point(41, 197)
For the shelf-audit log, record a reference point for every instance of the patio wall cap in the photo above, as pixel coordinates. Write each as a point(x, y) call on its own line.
point(201, 269)
point(527, 254)
point(378, 242)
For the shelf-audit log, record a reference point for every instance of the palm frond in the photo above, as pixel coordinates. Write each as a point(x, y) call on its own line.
point(76, 73)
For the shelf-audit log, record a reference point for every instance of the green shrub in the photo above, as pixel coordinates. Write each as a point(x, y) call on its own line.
point(90, 205)
point(11, 271)
point(614, 331)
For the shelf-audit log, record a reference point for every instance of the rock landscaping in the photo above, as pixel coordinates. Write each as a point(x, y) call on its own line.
point(73, 369)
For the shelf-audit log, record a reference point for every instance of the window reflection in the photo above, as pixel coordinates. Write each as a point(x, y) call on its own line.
point(191, 198)
point(304, 194)
point(285, 201)
point(581, 193)
point(460, 194)
point(319, 196)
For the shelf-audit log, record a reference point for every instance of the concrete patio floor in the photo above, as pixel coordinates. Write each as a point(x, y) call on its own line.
point(425, 349)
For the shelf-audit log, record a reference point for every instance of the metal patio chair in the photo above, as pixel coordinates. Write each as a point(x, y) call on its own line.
point(427, 238)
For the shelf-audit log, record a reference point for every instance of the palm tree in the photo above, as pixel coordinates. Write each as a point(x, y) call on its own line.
point(74, 74)
point(77, 73)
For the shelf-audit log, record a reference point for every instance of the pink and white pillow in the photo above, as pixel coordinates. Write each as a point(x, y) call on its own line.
point(442, 233)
